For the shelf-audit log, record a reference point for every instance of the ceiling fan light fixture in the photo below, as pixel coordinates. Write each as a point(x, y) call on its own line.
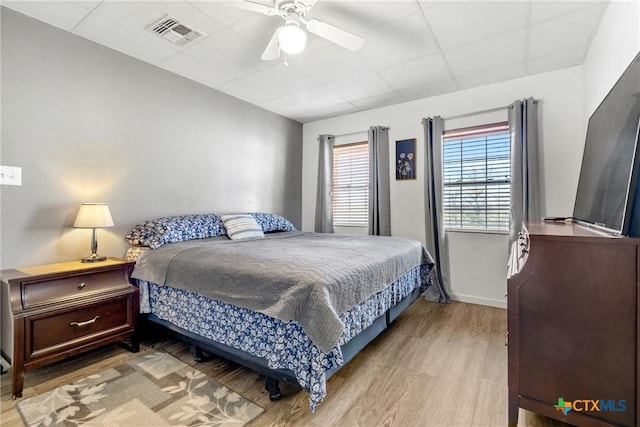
point(292, 39)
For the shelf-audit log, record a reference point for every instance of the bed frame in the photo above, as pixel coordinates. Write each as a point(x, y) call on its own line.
point(274, 376)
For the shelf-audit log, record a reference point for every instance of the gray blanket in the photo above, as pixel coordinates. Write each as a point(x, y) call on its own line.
point(311, 278)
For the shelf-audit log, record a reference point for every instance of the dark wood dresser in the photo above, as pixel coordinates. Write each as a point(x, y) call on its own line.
point(54, 311)
point(573, 325)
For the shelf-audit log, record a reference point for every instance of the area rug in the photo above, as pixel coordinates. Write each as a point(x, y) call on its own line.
point(151, 390)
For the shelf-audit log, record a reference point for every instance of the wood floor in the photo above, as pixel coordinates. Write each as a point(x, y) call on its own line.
point(437, 365)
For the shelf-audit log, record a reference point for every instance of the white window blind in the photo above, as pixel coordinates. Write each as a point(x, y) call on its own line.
point(476, 177)
point(351, 185)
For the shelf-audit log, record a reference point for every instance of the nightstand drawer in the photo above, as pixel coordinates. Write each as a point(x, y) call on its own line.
point(56, 331)
point(53, 290)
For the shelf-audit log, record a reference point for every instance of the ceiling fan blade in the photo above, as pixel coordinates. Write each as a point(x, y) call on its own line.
point(272, 51)
point(255, 7)
point(335, 34)
point(306, 4)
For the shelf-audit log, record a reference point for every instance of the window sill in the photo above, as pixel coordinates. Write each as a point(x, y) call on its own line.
point(475, 231)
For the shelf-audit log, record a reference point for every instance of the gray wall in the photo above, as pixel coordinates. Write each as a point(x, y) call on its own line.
point(89, 124)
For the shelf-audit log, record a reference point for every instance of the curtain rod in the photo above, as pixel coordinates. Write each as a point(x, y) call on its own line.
point(475, 113)
point(350, 133)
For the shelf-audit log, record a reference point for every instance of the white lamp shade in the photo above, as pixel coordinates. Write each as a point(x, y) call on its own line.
point(93, 215)
point(292, 39)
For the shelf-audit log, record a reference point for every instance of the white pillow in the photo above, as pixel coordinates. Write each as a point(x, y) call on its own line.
point(242, 227)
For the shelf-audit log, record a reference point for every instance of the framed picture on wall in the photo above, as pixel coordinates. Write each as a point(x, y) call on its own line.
point(406, 159)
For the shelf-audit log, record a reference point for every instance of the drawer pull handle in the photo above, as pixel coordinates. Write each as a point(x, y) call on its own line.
point(82, 285)
point(85, 323)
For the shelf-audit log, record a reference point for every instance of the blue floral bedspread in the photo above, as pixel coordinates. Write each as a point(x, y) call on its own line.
point(284, 345)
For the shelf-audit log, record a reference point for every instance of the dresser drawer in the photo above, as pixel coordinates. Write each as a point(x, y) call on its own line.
point(71, 328)
point(35, 293)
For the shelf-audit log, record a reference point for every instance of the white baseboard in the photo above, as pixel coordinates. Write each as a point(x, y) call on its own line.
point(499, 303)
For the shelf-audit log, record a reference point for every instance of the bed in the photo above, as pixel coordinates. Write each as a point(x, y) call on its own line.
point(291, 305)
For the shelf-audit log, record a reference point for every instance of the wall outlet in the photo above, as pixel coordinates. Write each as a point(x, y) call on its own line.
point(10, 175)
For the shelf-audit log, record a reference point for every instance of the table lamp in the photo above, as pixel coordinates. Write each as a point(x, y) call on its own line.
point(93, 215)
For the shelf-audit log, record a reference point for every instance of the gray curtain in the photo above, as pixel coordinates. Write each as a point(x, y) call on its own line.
point(379, 198)
point(436, 239)
point(324, 202)
point(525, 172)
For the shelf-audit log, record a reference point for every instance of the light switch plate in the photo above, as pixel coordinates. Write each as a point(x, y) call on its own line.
point(10, 175)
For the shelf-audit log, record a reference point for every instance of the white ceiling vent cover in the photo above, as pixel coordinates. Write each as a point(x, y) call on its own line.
point(171, 29)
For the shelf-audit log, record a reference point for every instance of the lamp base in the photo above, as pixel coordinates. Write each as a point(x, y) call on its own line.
point(94, 258)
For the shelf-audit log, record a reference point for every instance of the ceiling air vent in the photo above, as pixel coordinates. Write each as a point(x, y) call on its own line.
point(177, 33)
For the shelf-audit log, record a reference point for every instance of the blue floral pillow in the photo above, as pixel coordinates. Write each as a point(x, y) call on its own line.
point(157, 232)
point(272, 222)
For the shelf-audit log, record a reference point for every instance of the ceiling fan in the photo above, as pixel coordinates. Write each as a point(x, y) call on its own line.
point(290, 38)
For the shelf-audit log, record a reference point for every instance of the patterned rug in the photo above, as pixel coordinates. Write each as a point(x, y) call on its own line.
point(151, 390)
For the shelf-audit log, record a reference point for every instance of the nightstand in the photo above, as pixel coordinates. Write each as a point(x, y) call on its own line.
point(51, 312)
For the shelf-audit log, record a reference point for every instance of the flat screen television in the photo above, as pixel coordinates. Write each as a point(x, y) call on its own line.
point(607, 184)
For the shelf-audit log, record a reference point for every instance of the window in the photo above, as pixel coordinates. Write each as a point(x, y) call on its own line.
point(351, 185)
point(476, 178)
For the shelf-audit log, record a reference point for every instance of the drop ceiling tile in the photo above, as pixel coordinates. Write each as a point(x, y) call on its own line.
point(134, 43)
point(360, 17)
point(194, 69)
point(544, 10)
point(399, 41)
point(222, 11)
point(495, 75)
point(282, 109)
point(568, 32)
point(229, 52)
point(496, 52)
point(428, 4)
point(362, 86)
point(65, 15)
point(330, 64)
point(311, 99)
point(139, 15)
point(429, 89)
point(417, 72)
point(458, 23)
point(281, 80)
point(325, 113)
point(258, 28)
point(246, 91)
point(87, 4)
point(556, 62)
point(378, 100)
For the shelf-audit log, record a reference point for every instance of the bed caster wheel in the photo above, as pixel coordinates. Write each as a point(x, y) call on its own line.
point(275, 396)
point(197, 354)
point(273, 389)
